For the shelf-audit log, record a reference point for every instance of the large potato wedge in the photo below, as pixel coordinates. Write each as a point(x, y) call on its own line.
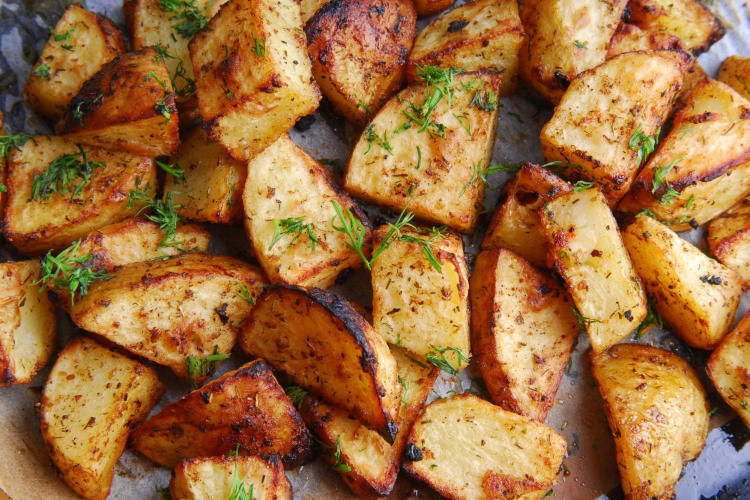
point(358, 50)
point(92, 399)
point(324, 345)
point(81, 43)
point(735, 72)
point(586, 249)
point(658, 413)
point(434, 172)
point(728, 238)
point(469, 449)
point(628, 94)
point(245, 409)
point(39, 225)
point(479, 35)
point(696, 295)
point(522, 331)
point(292, 255)
point(28, 323)
point(172, 310)
point(728, 369)
point(252, 84)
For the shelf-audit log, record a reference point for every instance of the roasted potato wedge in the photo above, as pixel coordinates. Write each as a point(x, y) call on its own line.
point(214, 477)
point(728, 238)
point(92, 399)
point(696, 295)
point(479, 35)
point(128, 105)
point(586, 249)
point(515, 222)
point(324, 345)
point(172, 310)
point(522, 331)
point(430, 7)
point(28, 324)
point(435, 172)
point(81, 43)
point(701, 168)
point(373, 462)
point(245, 409)
point(279, 213)
point(728, 369)
point(735, 72)
point(358, 51)
point(421, 304)
point(39, 225)
point(658, 413)
point(253, 84)
point(628, 95)
point(469, 449)
point(212, 188)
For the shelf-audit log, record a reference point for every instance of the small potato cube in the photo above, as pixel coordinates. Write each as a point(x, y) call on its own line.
point(515, 223)
point(273, 207)
point(735, 72)
point(418, 305)
point(81, 43)
point(729, 239)
point(586, 249)
point(469, 449)
point(430, 7)
point(728, 369)
point(596, 126)
point(254, 83)
point(212, 188)
point(696, 295)
point(92, 399)
point(28, 323)
point(479, 35)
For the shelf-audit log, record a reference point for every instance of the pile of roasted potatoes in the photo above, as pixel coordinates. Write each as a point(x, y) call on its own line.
point(191, 126)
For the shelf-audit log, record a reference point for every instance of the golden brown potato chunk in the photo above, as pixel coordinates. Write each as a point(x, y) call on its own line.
point(324, 345)
point(44, 212)
point(658, 414)
point(522, 332)
point(728, 369)
point(358, 50)
point(430, 7)
point(291, 224)
point(253, 84)
point(245, 409)
point(81, 43)
point(695, 294)
point(479, 35)
point(629, 96)
point(728, 239)
point(469, 449)
point(92, 399)
point(735, 72)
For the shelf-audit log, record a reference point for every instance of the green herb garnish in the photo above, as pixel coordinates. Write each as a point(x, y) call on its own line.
point(297, 226)
point(260, 46)
point(42, 71)
point(244, 292)
point(658, 182)
point(202, 367)
point(438, 359)
point(61, 176)
point(63, 37)
point(66, 270)
point(296, 394)
point(191, 18)
point(173, 169)
point(371, 136)
point(13, 141)
point(582, 185)
point(583, 321)
point(486, 101)
point(653, 318)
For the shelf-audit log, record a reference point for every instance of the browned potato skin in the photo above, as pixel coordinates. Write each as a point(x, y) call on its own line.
point(358, 50)
point(728, 369)
point(728, 238)
point(658, 413)
point(101, 42)
point(735, 72)
point(245, 407)
point(430, 7)
point(522, 332)
point(118, 107)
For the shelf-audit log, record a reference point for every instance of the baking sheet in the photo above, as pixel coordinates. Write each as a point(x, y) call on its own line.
point(25, 469)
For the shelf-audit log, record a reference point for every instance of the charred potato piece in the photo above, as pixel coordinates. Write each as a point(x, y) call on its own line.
point(324, 345)
point(735, 72)
point(479, 35)
point(728, 369)
point(421, 304)
point(658, 414)
point(701, 168)
point(253, 84)
point(586, 249)
point(430, 7)
point(729, 239)
point(128, 105)
point(522, 332)
point(245, 409)
point(515, 223)
point(627, 95)
point(39, 225)
point(171, 310)
point(212, 188)
point(289, 223)
point(435, 172)
point(519, 456)
point(695, 294)
point(358, 50)
point(28, 324)
point(92, 399)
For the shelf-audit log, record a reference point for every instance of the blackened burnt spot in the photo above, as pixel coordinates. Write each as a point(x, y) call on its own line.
point(457, 26)
point(412, 453)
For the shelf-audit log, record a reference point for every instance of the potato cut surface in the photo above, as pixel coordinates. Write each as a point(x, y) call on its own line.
point(728, 369)
point(729, 239)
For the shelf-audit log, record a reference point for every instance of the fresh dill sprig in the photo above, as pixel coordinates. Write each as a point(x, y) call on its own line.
point(42, 71)
point(164, 214)
point(61, 176)
point(191, 18)
point(583, 321)
point(296, 226)
point(173, 169)
point(644, 144)
point(70, 271)
point(438, 359)
point(244, 292)
point(10, 142)
point(201, 367)
point(296, 394)
point(658, 182)
point(371, 136)
point(63, 37)
point(582, 185)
